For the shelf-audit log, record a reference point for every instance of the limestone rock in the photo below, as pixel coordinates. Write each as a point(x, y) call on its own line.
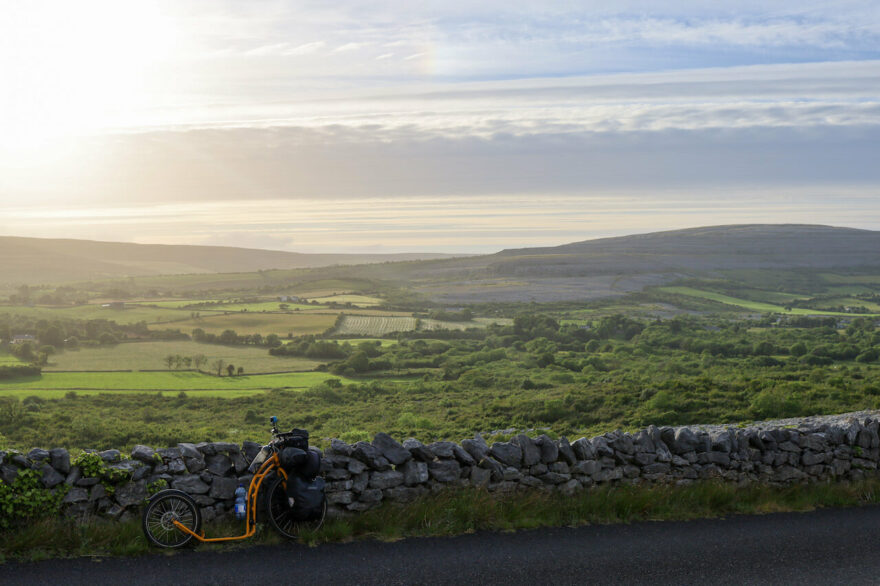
point(415, 472)
point(445, 471)
point(386, 479)
point(390, 449)
point(477, 447)
point(507, 453)
point(51, 478)
point(223, 488)
point(59, 458)
point(442, 449)
point(190, 483)
point(131, 493)
point(548, 448)
point(144, 454)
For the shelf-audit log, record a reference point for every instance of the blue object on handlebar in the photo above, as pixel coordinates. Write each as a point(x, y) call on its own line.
point(273, 420)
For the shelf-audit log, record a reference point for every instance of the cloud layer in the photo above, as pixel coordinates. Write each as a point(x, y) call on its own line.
point(364, 124)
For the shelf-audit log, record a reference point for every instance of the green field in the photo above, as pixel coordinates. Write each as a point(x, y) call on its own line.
point(358, 300)
point(150, 355)
point(260, 306)
point(370, 325)
point(382, 342)
point(175, 304)
point(848, 301)
point(745, 303)
point(56, 384)
point(130, 315)
point(8, 359)
point(297, 323)
point(433, 324)
point(851, 279)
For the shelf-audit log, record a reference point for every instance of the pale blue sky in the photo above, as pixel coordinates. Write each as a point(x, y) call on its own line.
point(320, 126)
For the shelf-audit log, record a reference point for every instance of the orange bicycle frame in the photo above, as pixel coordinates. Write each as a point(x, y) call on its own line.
point(268, 466)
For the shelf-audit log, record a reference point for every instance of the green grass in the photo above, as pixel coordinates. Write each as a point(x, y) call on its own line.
point(150, 355)
point(850, 290)
point(297, 323)
point(848, 301)
point(205, 385)
point(745, 303)
point(175, 304)
point(8, 359)
point(274, 306)
point(358, 300)
point(850, 279)
point(383, 342)
point(463, 511)
point(132, 314)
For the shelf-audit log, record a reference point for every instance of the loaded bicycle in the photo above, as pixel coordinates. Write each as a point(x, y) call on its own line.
point(284, 482)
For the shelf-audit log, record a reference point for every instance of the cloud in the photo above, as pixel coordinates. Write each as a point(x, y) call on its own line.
point(347, 47)
point(296, 163)
point(384, 56)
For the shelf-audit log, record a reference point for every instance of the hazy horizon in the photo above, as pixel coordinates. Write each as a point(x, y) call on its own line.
point(443, 127)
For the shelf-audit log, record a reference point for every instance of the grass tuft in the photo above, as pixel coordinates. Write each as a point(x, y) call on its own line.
point(457, 512)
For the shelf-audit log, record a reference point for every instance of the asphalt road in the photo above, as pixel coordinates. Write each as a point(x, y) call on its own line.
point(822, 547)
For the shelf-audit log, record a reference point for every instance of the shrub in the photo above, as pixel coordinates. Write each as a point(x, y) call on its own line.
point(27, 499)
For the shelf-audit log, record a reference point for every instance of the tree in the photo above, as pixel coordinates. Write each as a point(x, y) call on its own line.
point(240, 370)
point(53, 335)
point(25, 351)
point(798, 349)
point(186, 360)
point(168, 360)
point(359, 361)
point(107, 338)
point(228, 337)
point(230, 369)
point(199, 360)
point(219, 364)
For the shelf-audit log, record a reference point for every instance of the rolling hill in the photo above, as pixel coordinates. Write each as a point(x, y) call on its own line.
point(45, 260)
point(614, 266)
point(589, 269)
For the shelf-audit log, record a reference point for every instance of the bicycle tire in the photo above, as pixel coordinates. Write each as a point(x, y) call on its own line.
point(164, 507)
point(278, 511)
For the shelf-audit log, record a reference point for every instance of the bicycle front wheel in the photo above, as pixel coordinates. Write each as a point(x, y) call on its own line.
point(164, 508)
point(281, 514)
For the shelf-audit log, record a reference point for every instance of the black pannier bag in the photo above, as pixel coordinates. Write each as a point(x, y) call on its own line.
point(307, 495)
point(292, 459)
point(303, 487)
point(305, 463)
point(299, 439)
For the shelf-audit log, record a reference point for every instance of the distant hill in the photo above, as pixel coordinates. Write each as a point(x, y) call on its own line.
point(45, 260)
point(589, 269)
point(614, 266)
point(746, 246)
point(726, 247)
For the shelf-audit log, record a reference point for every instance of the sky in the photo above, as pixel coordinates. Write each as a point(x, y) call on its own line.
point(433, 126)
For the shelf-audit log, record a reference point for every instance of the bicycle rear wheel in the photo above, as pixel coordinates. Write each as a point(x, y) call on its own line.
point(164, 508)
point(281, 514)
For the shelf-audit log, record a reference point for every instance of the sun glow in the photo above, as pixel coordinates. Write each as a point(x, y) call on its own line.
point(76, 67)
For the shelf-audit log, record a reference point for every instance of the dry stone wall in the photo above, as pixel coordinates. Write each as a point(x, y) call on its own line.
point(363, 475)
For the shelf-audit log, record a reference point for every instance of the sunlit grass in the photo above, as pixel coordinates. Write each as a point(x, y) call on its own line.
point(202, 384)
